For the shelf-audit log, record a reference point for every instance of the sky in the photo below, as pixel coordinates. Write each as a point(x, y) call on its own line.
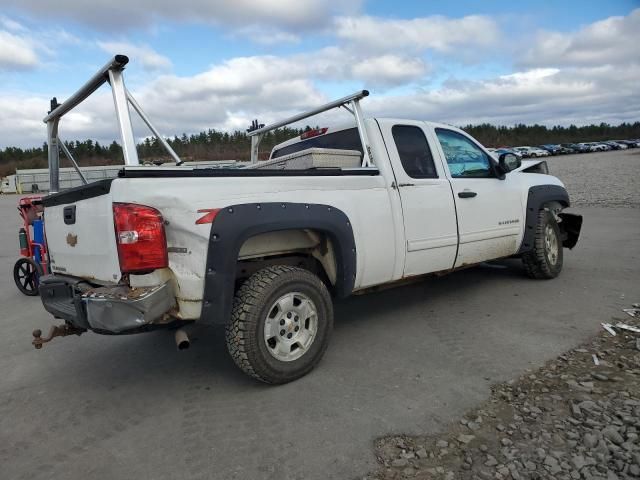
point(200, 64)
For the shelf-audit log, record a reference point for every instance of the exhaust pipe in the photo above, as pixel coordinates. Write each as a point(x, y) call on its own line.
point(182, 339)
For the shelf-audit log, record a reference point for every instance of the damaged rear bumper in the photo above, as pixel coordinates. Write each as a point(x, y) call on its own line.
point(113, 309)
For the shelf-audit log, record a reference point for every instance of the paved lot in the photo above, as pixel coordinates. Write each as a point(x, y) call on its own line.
point(407, 360)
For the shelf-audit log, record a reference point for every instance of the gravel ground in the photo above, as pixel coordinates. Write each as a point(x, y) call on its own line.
point(571, 419)
point(408, 360)
point(609, 179)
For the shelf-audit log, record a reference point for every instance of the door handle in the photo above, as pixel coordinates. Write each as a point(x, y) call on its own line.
point(467, 194)
point(69, 215)
point(406, 185)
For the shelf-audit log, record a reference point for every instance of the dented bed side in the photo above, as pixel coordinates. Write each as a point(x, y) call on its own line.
point(363, 199)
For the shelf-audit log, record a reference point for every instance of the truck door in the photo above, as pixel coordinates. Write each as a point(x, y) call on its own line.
point(428, 209)
point(489, 209)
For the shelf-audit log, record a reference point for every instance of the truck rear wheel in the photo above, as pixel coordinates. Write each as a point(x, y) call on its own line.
point(281, 322)
point(544, 261)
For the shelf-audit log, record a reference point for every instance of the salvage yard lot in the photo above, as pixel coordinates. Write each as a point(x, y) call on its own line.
point(407, 360)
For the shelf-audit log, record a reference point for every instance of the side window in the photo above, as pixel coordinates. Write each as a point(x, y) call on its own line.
point(465, 158)
point(414, 151)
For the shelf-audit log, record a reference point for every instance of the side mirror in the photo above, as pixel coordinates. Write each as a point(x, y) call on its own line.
point(497, 169)
point(509, 162)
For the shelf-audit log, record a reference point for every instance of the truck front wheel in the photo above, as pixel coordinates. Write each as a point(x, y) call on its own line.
point(545, 259)
point(281, 322)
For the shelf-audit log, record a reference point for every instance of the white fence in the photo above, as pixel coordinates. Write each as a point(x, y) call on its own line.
point(37, 180)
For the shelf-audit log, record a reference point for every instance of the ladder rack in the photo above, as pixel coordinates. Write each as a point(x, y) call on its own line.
point(351, 103)
point(111, 73)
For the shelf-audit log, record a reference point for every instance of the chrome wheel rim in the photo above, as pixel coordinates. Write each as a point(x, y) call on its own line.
point(291, 326)
point(551, 244)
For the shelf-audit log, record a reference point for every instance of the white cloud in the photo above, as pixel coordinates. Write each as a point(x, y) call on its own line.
point(610, 41)
point(23, 49)
point(226, 98)
point(267, 35)
point(427, 33)
point(119, 14)
point(244, 87)
point(590, 86)
point(389, 70)
point(548, 96)
point(245, 77)
point(143, 54)
point(21, 120)
point(10, 24)
point(16, 52)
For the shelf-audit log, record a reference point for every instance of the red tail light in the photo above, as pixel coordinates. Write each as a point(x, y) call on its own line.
point(142, 244)
point(316, 132)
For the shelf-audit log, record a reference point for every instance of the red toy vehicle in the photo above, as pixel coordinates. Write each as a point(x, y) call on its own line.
point(33, 249)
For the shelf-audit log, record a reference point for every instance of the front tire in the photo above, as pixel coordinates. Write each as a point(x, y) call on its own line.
point(544, 261)
point(281, 322)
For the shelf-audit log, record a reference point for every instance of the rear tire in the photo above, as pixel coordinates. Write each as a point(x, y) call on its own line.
point(281, 322)
point(544, 261)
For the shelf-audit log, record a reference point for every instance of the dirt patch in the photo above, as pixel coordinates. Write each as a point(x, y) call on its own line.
point(577, 417)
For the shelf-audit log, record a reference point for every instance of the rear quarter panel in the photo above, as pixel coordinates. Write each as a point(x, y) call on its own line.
point(364, 199)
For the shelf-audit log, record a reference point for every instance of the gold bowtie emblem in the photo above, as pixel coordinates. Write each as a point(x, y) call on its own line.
point(72, 239)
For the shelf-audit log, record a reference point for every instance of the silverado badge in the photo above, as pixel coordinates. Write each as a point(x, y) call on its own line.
point(72, 239)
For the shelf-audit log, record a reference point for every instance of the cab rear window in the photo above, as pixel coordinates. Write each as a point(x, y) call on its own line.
point(343, 140)
point(414, 151)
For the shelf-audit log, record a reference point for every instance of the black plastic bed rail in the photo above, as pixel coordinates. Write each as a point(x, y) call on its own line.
point(241, 172)
point(91, 190)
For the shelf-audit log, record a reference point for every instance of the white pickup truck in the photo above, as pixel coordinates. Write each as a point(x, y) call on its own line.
point(264, 249)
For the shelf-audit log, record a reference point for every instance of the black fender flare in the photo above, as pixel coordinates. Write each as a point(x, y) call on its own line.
point(537, 197)
point(234, 224)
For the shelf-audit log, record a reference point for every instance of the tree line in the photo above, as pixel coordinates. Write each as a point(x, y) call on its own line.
point(217, 145)
point(521, 134)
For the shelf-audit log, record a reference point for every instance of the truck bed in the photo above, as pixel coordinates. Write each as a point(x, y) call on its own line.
point(181, 194)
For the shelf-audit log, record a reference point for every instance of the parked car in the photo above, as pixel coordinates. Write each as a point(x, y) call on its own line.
point(532, 152)
point(575, 147)
point(616, 145)
point(264, 250)
point(595, 147)
point(565, 150)
point(524, 151)
point(552, 149)
point(517, 153)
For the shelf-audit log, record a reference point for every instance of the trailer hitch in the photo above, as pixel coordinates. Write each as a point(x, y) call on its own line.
point(55, 331)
